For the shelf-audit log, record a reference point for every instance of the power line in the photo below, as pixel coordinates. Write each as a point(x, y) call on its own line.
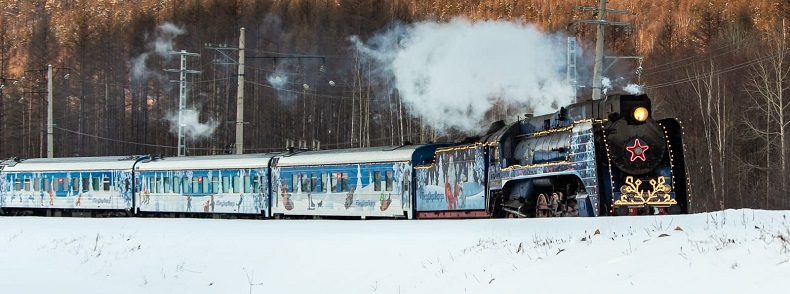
point(20, 129)
point(696, 61)
point(719, 72)
point(298, 92)
point(134, 143)
point(697, 55)
point(298, 74)
point(212, 149)
point(296, 55)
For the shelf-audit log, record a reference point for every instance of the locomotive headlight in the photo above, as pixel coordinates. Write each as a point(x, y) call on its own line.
point(641, 114)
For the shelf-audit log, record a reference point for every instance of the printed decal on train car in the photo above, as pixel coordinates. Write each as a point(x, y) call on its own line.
point(455, 182)
point(203, 191)
point(380, 189)
point(72, 190)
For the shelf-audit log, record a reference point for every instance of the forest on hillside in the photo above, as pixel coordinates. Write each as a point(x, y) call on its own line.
point(718, 65)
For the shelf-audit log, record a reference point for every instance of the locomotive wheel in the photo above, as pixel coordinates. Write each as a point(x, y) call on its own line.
point(622, 210)
point(674, 209)
point(496, 207)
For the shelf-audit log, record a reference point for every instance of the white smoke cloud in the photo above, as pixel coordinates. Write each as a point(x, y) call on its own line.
point(606, 85)
point(451, 74)
point(630, 88)
point(633, 89)
point(279, 81)
point(162, 45)
point(165, 35)
point(139, 69)
point(193, 128)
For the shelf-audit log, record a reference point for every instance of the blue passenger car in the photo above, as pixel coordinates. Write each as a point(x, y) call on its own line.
point(362, 182)
point(219, 184)
point(76, 183)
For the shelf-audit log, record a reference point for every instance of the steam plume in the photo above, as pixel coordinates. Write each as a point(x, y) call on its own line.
point(451, 74)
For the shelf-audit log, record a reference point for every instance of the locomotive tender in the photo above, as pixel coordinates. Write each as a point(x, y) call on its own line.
point(603, 157)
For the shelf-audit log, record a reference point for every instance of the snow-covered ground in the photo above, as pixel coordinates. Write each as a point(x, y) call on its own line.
point(732, 251)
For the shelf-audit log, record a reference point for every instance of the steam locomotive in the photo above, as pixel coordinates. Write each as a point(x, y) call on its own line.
point(593, 158)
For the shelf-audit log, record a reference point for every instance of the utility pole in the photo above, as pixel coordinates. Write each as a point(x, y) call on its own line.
point(226, 59)
point(599, 41)
point(182, 97)
point(50, 121)
point(599, 52)
point(49, 111)
point(240, 98)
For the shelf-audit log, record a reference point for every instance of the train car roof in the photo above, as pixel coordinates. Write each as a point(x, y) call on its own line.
point(68, 164)
point(208, 162)
point(358, 155)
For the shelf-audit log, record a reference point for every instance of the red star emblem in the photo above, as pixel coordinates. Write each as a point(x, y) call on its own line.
point(637, 150)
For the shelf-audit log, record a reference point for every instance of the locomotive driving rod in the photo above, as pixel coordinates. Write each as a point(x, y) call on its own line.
point(516, 212)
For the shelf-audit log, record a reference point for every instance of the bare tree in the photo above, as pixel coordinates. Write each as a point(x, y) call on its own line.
point(712, 102)
point(766, 84)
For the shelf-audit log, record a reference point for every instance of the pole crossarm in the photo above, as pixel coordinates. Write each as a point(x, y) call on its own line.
point(608, 10)
point(187, 71)
point(184, 53)
point(221, 48)
point(4, 81)
point(603, 22)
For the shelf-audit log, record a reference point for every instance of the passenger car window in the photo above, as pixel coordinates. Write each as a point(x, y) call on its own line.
point(256, 185)
point(166, 184)
point(336, 177)
point(225, 184)
point(389, 180)
point(236, 184)
point(215, 184)
point(247, 184)
point(377, 181)
point(345, 182)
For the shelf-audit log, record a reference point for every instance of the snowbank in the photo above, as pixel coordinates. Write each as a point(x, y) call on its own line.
point(728, 252)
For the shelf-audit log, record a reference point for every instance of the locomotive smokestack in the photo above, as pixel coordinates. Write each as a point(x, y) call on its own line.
point(495, 126)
